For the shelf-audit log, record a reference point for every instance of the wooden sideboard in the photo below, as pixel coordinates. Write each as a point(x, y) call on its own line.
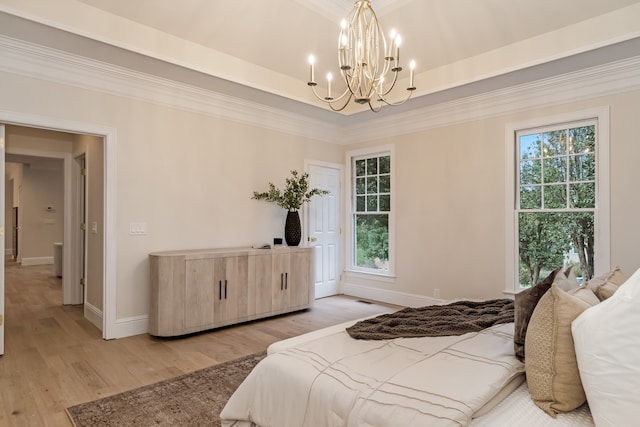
point(196, 290)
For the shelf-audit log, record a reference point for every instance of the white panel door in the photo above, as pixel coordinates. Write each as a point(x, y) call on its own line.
point(2, 192)
point(323, 228)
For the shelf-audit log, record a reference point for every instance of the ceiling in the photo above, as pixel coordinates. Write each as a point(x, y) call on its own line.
point(35, 162)
point(461, 45)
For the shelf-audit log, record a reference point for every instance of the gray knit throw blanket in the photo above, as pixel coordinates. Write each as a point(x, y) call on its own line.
point(435, 320)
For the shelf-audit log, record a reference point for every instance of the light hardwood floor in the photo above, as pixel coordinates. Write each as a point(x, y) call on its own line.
point(54, 358)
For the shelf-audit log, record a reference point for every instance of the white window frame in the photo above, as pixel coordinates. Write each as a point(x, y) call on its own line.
point(602, 226)
point(349, 204)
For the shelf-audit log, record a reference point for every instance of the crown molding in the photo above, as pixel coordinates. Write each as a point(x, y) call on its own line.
point(36, 61)
point(43, 63)
point(608, 79)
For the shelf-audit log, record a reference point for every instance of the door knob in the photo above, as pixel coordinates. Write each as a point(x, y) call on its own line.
point(312, 239)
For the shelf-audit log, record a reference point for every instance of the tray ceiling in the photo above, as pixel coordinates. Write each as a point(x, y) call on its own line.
point(265, 44)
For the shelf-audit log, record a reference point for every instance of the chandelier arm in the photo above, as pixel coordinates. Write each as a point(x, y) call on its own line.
point(398, 102)
point(349, 79)
point(343, 106)
point(324, 99)
point(382, 94)
point(313, 89)
point(372, 108)
point(342, 95)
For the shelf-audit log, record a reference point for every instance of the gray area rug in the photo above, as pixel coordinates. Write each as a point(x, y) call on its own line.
point(194, 399)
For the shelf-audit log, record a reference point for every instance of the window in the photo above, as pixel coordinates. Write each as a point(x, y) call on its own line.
point(560, 204)
point(371, 212)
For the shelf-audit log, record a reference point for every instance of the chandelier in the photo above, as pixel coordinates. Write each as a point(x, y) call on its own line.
point(369, 67)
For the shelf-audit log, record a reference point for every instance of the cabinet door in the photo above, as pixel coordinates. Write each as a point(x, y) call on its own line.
point(260, 285)
point(299, 277)
point(280, 281)
point(199, 293)
point(240, 291)
point(230, 289)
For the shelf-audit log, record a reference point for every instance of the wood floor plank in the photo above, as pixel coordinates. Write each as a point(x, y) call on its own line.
point(54, 358)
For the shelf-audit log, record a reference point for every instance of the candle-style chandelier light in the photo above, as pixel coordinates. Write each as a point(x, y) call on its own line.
point(365, 61)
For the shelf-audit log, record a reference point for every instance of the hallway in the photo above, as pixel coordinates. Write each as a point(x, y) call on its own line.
point(41, 339)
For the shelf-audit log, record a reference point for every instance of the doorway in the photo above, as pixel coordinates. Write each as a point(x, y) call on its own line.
point(75, 247)
point(40, 159)
point(111, 327)
point(323, 226)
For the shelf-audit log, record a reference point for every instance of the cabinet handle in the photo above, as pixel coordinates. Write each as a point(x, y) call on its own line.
point(220, 290)
point(281, 281)
point(286, 280)
point(225, 288)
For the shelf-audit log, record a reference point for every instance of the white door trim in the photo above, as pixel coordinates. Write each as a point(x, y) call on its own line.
point(79, 217)
point(109, 135)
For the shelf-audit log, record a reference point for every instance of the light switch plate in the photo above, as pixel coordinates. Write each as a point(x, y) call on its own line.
point(137, 228)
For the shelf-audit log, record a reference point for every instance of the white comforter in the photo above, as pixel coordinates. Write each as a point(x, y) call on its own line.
point(338, 381)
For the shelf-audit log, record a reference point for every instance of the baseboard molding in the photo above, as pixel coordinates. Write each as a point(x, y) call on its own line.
point(389, 297)
point(93, 315)
point(130, 326)
point(37, 260)
point(126, 327)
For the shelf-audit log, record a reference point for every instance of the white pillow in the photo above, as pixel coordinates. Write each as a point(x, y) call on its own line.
point(607, 345)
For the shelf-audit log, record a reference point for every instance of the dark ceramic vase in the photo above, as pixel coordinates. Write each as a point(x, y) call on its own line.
point(292, 229)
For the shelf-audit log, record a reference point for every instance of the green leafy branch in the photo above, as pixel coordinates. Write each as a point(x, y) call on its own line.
point(296, 192)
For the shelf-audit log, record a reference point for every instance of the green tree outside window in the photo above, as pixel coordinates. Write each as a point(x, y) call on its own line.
point(556, 209)
point(372, 205)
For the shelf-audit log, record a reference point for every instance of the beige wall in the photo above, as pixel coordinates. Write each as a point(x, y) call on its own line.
point(41, 188)
point(190, 179)
point(451, 201)
point(13, 173)
point(34, 139)
point(188, 176)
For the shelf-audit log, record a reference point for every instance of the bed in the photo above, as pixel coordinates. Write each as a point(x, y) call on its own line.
point(327, 378)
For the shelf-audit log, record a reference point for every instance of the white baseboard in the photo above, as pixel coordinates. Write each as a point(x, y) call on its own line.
point(124, 327)
point(93, 315)
point(37, 260)
point(389, 297)
point(130, 326)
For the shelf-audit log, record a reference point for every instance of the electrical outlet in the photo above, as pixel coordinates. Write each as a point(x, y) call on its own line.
point(436, 293)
